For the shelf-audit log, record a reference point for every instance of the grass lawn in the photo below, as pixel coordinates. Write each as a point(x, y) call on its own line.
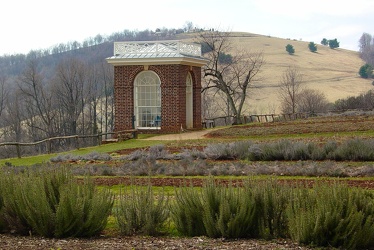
point(106, 148)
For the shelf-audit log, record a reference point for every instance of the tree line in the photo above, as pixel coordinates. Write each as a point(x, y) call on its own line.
point(366, 45)
point(78, 99)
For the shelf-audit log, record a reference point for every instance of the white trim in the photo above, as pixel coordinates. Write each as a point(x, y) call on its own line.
point(116, 61)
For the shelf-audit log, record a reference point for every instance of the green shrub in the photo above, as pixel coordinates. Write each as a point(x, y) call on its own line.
point(332, 215)
point(229, 212)
point(252, 211)
point(82, 210)
point(141, 212)
point(2, 222)
point(186, 212)
point(51, 203)
point(271, 200)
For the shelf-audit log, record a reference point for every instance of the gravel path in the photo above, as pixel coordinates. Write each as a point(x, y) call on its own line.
point(190, 135)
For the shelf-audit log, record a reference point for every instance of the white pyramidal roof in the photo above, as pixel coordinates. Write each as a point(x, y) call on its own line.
point(157, 52)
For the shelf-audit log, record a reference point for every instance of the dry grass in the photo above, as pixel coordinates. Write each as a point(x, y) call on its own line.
point(332, 71)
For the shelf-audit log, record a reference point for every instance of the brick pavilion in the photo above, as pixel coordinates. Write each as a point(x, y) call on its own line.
point(157, 86)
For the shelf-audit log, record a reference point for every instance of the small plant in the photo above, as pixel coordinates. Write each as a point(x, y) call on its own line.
point(141, 212)
point(186, 212)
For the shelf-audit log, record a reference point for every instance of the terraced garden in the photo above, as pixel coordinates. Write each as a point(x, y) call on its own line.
point(335, 149)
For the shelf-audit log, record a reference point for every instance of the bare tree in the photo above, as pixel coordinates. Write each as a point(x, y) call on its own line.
point(38, 99)
point(69, 88)
point(290, 87)
point(3, 94)
point(312, 101)
point(107, 102)
point(365, 41)
point(14, 116)
point(232, 76)
point(366, 44)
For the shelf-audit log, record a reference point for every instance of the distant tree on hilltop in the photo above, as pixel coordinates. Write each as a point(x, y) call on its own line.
point(312, 47)
point(290, 49)
point(324, 42)
point(333, 44)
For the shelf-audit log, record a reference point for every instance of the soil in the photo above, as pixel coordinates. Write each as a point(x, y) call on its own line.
point(198, 182)
point(140, 242)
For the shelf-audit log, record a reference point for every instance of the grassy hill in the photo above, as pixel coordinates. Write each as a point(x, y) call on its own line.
point(332, 71)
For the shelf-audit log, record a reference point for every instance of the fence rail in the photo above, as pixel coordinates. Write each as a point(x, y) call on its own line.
point(228, 120)
point(120, 135)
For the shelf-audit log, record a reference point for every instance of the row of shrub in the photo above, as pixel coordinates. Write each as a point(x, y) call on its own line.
point(351, 150)
point(327, 215)
point(51, 203)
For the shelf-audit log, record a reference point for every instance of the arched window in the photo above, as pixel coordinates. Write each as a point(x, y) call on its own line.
point(147, 104)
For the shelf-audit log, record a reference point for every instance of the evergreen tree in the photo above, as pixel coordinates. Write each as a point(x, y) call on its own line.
point(312, 47)
point(324, 42)
point(333, 44)
point(290, 49)
point(366, 71)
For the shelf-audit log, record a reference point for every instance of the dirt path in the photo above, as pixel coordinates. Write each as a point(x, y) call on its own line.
point(190, 135)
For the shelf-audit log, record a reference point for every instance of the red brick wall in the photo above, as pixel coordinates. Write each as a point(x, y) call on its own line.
point(173, 96)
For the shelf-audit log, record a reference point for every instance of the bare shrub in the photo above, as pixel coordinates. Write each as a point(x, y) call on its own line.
point(92, 156)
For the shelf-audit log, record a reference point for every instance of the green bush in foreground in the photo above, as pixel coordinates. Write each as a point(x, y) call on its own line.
point(141, 212)
point(252, 211)
point(324, 215)
point(51, 203)
point(332, 215)
point(186, 212)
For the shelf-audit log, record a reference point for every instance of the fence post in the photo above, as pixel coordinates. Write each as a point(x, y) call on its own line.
point(18, 150)
point(76, 141)
point(98, 139)
point(49, 146)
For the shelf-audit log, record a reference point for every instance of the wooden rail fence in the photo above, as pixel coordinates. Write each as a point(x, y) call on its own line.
point(228, 120)
point(121, 135)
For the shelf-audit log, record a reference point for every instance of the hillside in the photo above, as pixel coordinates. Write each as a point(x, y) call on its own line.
point(332, 71)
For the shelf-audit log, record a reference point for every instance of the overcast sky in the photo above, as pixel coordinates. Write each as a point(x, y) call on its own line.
point(40, 24)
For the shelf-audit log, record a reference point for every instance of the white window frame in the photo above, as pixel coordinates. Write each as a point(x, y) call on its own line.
point(147, 100)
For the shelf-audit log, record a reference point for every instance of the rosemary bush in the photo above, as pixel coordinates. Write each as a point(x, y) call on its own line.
point(186, 212)
point(52, 204)
point(332, 215)
point(252, 211)
point(141, 212)
point(272, 200)
point(2, 222)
